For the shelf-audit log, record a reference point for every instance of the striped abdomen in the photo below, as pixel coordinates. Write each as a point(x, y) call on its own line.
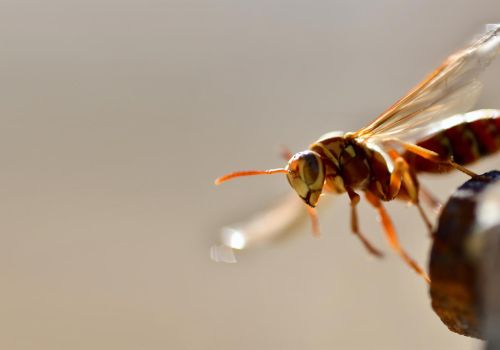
point(466, 142)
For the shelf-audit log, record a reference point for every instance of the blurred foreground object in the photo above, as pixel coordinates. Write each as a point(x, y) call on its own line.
point(263, 227)
point(465, 261)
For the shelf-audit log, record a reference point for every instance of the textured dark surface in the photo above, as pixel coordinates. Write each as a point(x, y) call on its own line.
point(455, 290)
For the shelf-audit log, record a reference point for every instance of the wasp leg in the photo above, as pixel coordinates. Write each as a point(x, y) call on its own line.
point(286, 154)
point(431, 201)
point(396, 177)
point(402, 173)
point(313, 215)
point(355, 227)
point(413, 189)
point(424, 217)
point(392, 237)
point(435, 157)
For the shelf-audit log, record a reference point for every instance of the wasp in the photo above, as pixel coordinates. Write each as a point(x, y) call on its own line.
point(427, 130)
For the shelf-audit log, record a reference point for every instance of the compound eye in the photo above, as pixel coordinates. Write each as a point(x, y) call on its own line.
point(310, 169)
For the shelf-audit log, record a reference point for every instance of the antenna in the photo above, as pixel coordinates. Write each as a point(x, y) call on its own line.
point(231, 176)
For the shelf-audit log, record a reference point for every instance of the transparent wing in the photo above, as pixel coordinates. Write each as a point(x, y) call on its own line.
point(418, 124)
point(418, 134)
point(452, 88)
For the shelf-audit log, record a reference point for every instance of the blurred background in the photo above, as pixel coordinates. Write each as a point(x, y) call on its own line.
point(116, 117)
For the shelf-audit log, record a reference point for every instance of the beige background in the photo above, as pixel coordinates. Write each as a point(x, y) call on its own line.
point(116, 116)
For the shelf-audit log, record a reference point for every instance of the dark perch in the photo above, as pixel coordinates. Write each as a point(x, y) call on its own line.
point(465, 261)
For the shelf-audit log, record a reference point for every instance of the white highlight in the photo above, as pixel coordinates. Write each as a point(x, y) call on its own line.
point(488, 217)
point(489, 213)
point(492, 26)
point(489, 209)
point(222, 253)
point(260, 228)
point(233, 238)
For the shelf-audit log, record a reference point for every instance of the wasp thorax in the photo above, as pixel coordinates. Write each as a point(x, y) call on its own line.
point(306, 175)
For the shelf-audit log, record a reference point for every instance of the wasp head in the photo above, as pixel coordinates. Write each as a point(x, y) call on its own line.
point(306, 175)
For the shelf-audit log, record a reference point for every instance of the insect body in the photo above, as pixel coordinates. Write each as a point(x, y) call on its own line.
point(423, 131)
point(474, 135)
